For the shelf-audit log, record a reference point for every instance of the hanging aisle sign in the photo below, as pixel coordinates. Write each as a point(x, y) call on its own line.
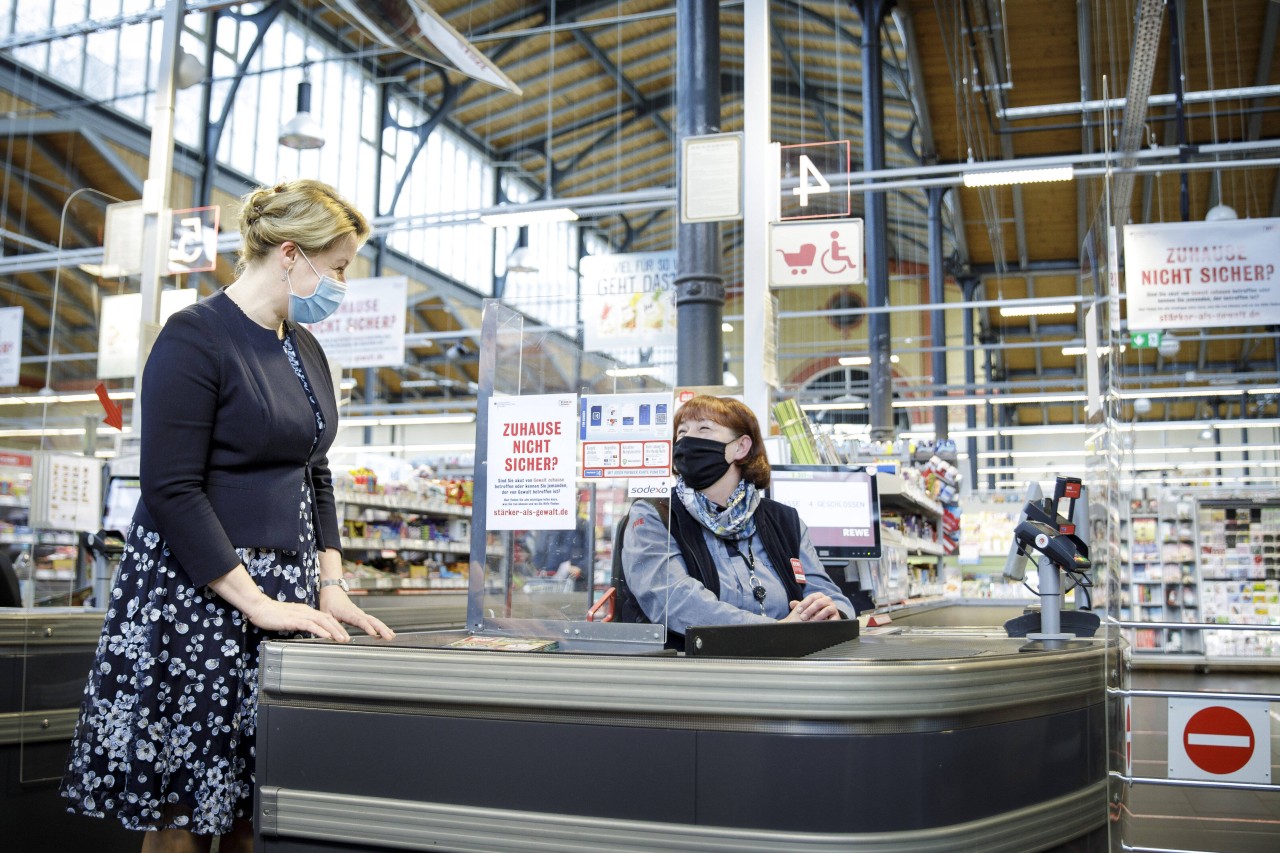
point(193, 240)
point(827, 252)
point(367, 330)
point(1197, 275)
point(118, 328)
point(815, 181)
point(10, 346)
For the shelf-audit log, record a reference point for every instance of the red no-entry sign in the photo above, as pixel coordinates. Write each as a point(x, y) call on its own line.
point(1219, 740)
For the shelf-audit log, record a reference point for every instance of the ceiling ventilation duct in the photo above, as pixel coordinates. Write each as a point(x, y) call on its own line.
point(414, 28)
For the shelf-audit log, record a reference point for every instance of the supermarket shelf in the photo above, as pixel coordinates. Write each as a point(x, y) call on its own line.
point(922, 547)
point(376, 544)
point(45, 539)
point(402, 503)
point(894, 493)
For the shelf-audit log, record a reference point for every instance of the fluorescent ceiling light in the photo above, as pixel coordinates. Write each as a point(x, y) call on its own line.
point(528, 217)
point(42, 399)
point(994, 399)
point(1232, 463)
point(1102, 350)
point(1235, 448)
point(1038, 310)
point(1007, 177)
point(833, 407)
point(407, 420)
point(104, 270)
point(1246, 424)
point(1264, 390)
point(397, 448)
point(633, 371)
point(1082, 454)
point(1048, 429)
point(862, 360)
point(1182, 392)
point(1032, 454)
point(1032, 469)
point(955, 434)
point(1161, 426)
point(1195, 479)
point(49, 431)
point(726, 327)
point(348, 383)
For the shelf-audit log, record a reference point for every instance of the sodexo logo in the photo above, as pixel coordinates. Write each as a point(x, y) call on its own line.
point(656, 488)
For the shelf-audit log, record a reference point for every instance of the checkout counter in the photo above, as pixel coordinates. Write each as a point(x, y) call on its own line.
point(910, 738)
point(45, 655)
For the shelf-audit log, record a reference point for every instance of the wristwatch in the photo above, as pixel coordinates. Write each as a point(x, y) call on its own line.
point(339, 582)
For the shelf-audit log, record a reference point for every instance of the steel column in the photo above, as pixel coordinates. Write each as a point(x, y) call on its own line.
point(938, 328)
point(968, 287)
point(876, 220)
point(699, 283)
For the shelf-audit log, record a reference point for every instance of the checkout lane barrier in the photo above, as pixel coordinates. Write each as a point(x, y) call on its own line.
point(1128, 694)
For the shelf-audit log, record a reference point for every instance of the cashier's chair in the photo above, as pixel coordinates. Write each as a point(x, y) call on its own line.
point(10, 592)
point(618, 604)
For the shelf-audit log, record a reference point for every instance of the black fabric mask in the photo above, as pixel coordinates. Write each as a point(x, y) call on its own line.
point(700, 461)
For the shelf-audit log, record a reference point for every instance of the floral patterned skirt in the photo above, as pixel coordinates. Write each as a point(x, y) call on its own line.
point(166, 732)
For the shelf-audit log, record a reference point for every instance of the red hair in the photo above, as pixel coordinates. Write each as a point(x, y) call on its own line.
point(735, 415)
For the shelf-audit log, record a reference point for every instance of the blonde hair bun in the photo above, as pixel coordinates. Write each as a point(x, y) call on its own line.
point(307, 212)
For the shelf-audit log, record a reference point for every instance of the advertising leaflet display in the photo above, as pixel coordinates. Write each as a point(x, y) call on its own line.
point(625, 435)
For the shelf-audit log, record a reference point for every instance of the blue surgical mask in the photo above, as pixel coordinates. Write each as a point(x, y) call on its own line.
point(320, 305)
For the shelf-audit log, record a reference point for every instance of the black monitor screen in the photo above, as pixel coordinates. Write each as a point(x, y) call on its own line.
point(839, 504)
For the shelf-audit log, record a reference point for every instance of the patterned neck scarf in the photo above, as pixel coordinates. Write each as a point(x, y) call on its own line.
point(736, 521)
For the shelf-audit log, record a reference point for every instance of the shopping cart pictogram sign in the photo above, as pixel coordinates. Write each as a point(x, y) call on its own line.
point(828, 252)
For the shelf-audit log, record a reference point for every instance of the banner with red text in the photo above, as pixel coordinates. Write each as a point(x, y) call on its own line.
point(367, 330)
point(1196, 275)
point(532, 468)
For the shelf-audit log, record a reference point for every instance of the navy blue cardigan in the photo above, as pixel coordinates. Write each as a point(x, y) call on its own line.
point(226, 439)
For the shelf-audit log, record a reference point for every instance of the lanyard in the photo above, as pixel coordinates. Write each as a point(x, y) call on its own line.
point(757, 589)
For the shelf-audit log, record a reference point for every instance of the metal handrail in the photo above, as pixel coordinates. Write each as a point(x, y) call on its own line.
point(1196, 626)
point(1193, 694)
point(1195, 783)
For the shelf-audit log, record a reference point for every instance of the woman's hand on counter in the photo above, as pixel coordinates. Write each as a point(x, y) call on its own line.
point(240, 590)
point(339, 605)
point(815, 607)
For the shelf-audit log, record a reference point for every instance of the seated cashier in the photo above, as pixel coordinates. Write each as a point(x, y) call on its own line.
point(731, 556)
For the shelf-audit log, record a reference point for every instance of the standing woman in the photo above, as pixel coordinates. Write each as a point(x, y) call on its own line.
point(725, 554)
point(235, 539)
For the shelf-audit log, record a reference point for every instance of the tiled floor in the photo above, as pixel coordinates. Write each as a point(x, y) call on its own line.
point(1196, 819)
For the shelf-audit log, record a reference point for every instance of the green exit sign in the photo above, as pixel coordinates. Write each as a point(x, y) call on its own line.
point(1145, 340)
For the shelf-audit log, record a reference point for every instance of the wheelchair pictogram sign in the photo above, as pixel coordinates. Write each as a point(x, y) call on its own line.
point(828, 252)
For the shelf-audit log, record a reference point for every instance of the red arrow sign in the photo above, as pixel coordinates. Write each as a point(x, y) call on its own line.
point(1218, 740)
point(115, 415)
